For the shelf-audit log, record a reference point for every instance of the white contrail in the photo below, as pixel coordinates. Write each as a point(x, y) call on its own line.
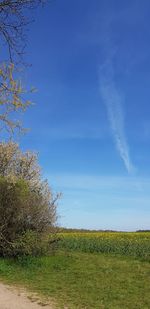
point(113, 102)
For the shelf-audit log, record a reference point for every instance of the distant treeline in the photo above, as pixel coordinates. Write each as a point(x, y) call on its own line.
point(145, 231)
point(72, 230)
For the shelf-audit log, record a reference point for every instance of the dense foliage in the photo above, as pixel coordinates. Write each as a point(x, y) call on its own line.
point(27, 205)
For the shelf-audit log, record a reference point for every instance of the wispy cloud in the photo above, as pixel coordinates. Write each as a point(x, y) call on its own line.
point(113, 102)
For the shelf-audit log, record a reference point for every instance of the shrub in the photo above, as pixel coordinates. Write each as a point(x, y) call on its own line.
point(27, 205)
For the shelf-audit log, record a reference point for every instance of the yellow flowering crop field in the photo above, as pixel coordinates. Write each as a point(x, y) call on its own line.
point(136, 244)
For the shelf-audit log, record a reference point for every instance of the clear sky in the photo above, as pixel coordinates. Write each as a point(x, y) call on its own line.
point(91, 121)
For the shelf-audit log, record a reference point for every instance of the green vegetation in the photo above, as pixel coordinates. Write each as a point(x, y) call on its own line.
point(82, 280)
point(27, 205)
point(126, 244)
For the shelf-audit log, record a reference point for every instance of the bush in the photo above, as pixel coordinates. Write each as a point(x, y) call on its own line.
point(31, 243)
point(27, 205)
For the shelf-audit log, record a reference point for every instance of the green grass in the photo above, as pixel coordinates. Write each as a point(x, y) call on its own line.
point(84, 280)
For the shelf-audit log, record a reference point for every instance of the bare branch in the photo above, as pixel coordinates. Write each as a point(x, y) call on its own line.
point(13, 23)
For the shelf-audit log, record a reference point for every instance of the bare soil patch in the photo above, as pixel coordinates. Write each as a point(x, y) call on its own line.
point(17, 298)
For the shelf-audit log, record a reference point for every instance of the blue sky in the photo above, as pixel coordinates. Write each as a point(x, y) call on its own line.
point(91, 121)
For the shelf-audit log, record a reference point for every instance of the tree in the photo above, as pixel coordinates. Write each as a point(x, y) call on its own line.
point(27, 204)
point(11, 98)
point(13, 21)
point(15, 15)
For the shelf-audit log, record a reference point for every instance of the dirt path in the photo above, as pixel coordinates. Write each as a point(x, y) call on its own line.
point(14, 298)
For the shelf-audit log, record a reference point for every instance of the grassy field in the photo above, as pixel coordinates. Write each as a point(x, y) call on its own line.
point(127, 244)
point(83, 280)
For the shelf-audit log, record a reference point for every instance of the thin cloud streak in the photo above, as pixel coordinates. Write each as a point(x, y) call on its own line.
point(113, 102)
